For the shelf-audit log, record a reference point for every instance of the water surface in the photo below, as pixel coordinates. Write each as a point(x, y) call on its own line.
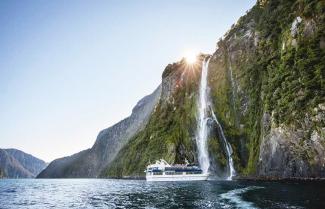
point(105, 193)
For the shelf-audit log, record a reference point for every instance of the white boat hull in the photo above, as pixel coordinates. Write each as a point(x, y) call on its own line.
point(184, 177)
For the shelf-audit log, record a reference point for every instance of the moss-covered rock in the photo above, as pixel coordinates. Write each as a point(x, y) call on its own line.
point(266, 82)
point(271, 64)
point(170, 132)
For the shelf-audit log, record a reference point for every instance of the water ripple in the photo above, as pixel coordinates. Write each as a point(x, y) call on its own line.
point(235, 199)
point(103, 193)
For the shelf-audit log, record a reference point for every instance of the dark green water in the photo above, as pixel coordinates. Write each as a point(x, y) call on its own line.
point(102, 193)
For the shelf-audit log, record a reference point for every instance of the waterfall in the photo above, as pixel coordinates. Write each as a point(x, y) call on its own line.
point(202, 128)
point(233, 84)
point(233, 94)
point(227, 146)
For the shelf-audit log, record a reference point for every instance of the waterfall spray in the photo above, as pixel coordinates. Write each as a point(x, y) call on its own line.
point(202, 129)
point(233, 94)
point(227, 146)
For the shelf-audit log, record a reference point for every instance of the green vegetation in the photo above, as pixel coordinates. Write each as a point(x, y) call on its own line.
point(282, 75)
point(277, 68)
point(169, 133)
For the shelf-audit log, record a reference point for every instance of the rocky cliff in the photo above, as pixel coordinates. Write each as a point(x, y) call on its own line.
point(89, 163)
point(267, 78)
point(17, 164)
point(170, 132)
point(266, 82)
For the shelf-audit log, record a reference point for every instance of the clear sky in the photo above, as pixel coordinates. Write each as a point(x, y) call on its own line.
point(69, 69)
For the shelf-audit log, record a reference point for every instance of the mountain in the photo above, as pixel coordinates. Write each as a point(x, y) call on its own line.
point(266, 81)
point(17, 164)
point(170, 132)
point(89, 163)
point(272, 101)
point(266, 100)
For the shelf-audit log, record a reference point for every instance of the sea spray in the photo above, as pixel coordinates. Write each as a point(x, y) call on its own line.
point(202, 128)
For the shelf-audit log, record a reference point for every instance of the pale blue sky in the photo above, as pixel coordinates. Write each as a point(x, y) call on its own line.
point(71, 68)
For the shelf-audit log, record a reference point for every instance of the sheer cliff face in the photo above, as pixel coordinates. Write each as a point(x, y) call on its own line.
point(89, 163)
point(170, 132)
point(17, 164)
point(267, 82)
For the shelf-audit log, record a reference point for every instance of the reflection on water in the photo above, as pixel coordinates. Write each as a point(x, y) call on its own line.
point(104, 193)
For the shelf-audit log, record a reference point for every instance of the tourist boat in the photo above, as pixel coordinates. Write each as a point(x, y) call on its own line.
point(162, 171)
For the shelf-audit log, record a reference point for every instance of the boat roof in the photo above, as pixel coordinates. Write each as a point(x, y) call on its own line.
point(162, 164)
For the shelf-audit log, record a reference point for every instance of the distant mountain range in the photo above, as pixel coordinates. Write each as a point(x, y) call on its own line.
point(18, 164)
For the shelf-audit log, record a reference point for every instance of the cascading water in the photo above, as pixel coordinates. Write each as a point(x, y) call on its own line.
point(234, 92)
point(228, 147)
point(202, 129)
point(233, 84)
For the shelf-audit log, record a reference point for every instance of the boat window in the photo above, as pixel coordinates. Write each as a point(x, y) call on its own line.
point(193, 172)
point(157, 173)
point(178, 173)
point(169, 173)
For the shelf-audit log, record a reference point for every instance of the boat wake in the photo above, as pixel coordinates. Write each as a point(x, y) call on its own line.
point(233, 198)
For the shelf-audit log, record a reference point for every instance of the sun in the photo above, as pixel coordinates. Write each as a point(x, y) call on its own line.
point(190, 57)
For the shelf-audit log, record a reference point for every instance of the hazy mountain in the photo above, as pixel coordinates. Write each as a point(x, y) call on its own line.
point(17, 164)
point(90, 162)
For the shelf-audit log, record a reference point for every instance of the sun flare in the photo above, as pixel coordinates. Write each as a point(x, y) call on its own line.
point(190, 57)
